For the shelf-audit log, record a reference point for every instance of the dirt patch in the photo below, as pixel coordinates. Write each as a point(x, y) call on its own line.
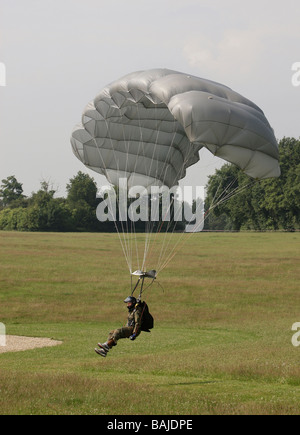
point(15, 343)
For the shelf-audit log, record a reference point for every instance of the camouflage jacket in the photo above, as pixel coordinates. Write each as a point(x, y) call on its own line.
point(135, 320)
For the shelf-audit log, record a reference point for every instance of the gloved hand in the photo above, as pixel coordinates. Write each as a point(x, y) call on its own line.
point(132, 337)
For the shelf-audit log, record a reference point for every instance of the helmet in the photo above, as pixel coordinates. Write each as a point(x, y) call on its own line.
point(131, 299)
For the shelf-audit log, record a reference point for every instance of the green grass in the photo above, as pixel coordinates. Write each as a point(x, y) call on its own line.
point(221, 342)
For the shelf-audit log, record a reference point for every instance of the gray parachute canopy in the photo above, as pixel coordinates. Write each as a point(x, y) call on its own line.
point(149, 126)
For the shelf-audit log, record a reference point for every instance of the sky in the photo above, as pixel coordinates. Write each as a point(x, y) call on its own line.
point(59, 54)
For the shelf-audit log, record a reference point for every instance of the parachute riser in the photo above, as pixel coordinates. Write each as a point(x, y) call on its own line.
point(140, 281)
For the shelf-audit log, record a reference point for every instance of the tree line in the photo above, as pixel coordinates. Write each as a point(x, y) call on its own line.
point(42, 211)
point(271, 204)
point(233, 201)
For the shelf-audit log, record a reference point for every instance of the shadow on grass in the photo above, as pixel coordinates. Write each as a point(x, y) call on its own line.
point(191, 383)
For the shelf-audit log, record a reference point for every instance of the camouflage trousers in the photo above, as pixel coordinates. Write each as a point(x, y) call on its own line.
point(124, 332)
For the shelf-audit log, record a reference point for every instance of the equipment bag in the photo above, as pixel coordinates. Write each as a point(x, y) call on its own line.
point(147, 319)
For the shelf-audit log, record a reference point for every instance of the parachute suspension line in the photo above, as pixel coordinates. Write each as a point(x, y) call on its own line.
point(160, 225)
point(129, 236)
point(148, 232)
point(133, 238)
point(127, 244)
point(116, 226)
point(124, 244)
point(161, 174)
point(163, 171)
point(224, 199)
point(227, 196)
point(140, 147)
point(165, 246)
point(200, 223)
point(216, 192)
point(236, 191)
point(176, 248)
point(132, 235)
point(224, 191)
point(150, 226)
point(141, 142)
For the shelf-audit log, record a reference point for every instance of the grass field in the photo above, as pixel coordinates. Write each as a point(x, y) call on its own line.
point(221, 342)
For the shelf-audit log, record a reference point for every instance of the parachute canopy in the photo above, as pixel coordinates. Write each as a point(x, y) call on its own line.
point(149, 126)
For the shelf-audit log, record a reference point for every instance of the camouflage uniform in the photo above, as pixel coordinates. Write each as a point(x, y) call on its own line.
point(133, 326)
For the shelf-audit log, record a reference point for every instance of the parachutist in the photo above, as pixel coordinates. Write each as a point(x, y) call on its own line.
point(137, 321)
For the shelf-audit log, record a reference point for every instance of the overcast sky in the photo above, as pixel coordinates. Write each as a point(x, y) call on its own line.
point(60, 53)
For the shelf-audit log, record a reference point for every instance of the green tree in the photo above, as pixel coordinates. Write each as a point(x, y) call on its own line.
point(11, 191)
point(82, 200)
point(268, 204)
point(82, 188)
point(48, 213)
point(221, 200)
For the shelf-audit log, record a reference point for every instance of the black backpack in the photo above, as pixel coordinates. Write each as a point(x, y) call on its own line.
point(147, 319)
